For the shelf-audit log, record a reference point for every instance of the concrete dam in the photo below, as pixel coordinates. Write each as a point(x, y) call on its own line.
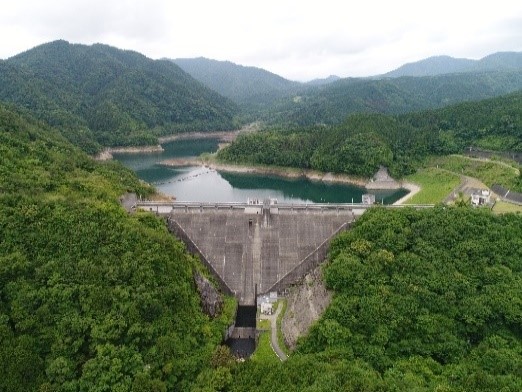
point(258, 247)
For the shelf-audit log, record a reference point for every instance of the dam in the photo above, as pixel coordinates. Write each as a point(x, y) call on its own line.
point(259, 246)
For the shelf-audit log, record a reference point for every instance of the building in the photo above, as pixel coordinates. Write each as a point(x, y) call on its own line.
point(368, 198)
point(266, 308)
point(480, 197)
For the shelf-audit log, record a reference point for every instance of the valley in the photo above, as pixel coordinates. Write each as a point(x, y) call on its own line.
point(96, 297)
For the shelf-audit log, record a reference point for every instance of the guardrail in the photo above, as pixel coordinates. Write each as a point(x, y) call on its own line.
point(310, 206)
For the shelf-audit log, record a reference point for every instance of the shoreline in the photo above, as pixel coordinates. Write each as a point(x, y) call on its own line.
point(107, 153)
point(291, 173)
point(413, 190)
point(223, 137)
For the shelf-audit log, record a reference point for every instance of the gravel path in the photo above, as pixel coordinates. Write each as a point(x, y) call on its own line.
point(275, 344)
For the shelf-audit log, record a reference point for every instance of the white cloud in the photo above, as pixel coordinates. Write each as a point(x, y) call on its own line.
point(299, 40)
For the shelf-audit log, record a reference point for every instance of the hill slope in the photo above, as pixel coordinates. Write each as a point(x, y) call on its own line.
point(331, 104)
point(91, 298)
point(113, 96)
point(244, 85)
point(363, 142)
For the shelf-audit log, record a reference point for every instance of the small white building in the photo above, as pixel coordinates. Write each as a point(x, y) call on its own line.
point(368, 198)
point(266, 308)
point(480, 197)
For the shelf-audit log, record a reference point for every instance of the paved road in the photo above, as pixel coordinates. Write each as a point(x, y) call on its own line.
point(275, 344)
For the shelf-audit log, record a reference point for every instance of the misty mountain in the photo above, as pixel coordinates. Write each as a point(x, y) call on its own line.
point(244, 85)
point(101, 95)
point(438, 65)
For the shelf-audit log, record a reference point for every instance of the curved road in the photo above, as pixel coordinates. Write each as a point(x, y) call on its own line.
point(275, 344)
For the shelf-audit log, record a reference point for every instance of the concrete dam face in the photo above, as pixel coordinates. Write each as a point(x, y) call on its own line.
point(258, 247)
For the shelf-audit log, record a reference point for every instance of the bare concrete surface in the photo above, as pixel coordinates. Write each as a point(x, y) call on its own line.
point(249, 249)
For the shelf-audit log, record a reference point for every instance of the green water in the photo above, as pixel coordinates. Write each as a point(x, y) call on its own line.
point(206, 185)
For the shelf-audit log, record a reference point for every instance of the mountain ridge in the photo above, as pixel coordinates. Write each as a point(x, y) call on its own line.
point(119, 97)
point(443, 64)
point(238, 82)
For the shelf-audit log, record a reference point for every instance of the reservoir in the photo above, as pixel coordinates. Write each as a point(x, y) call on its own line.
point(200, 183)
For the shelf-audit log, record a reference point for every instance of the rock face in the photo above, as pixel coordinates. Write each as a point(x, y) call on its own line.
point(306, 302)
point(211, 300)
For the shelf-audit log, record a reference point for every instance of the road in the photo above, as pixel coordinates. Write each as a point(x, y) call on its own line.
point(273, 337)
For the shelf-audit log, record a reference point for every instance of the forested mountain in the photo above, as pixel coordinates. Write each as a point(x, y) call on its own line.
point(438, 65)
point(95, 299)
point(493, 124)
point(330, 104)
point(431, 83)
point(91, 298)
point(247, 86)
point(425, 300)
point(100, 95)
point(363, 142)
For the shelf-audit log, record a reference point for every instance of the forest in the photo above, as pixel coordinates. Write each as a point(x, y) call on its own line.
point(91, 298)
point(331, 103)
point(363, 142)
point(427, 84)
point(103, 96)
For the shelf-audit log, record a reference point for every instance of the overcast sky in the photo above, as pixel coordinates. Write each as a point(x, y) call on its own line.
point(299, 40)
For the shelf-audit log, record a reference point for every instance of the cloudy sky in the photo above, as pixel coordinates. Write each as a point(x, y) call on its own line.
point(299, 40)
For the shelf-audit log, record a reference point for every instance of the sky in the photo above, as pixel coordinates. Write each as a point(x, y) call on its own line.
point(299, 40)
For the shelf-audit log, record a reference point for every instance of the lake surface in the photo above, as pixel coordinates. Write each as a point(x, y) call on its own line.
point(206, 185)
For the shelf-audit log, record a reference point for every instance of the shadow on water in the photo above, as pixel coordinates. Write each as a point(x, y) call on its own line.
point(241, 348)
point(314, 191)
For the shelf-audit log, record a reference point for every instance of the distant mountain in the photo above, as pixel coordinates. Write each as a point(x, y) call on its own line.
point(320, 82)
point(330, 104)
point(243, 85)
point(438, 65)
point(100, 95)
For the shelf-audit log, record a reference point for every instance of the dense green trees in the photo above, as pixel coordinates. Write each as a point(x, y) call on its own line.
point(424, 300)
point(364, 141)
point(99, 95)
point(357, 147)
point(331, 104)
point(91, 298)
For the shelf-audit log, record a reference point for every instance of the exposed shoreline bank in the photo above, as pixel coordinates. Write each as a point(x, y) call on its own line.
point(292, 173)
point(413, 190)
point(224, 137)
point(107, 154)
point(284, 172)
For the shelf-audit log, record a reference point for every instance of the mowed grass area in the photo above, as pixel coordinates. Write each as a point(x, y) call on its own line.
point(436, 185)
point(264, 352)
point(263, 324)
point(502, 207)
point(442, 174)
point(490, 172)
